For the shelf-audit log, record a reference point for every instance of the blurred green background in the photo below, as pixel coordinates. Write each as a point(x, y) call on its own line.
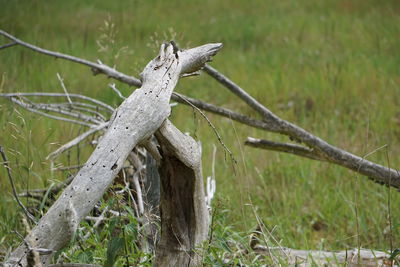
point(331, 67)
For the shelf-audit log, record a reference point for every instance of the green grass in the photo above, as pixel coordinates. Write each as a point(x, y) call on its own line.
point(336, 61)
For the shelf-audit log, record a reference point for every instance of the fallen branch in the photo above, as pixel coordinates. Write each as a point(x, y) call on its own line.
point(224, 112)
point(96, 68)
point(137, 118)
point(284, 147)
point(272, 123)
point(242, 94)
point(99, 104)
point(112, 73)
point(35, 109)
point(376, 172)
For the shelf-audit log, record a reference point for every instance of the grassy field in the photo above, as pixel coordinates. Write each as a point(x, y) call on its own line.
point(332, 67)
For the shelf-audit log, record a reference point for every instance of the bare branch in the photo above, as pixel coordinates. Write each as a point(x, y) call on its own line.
point(284, 147)
point(78, 106)
point(8, 45)
point(76, 141)
point(95, 101)
point(112, 86)
point(223, 112)
point(152, 148)
point(96, 68)
point(214, 129)
point(32, 109)
point(7, 166)
point(68, 168)
point(139, 194)
point(237, 90)
point(376, 172)
point(175, 96)
point(62, 109)
point(311, 154)
point(63, 87)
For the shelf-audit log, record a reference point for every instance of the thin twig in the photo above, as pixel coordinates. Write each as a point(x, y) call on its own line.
point(61, 109)
point(76, 141)
point(8, 169)
point(284, 147)
point(77, 106)
point(32, 109)
point(223, 112)
point(138, 190)
point(95, 101)
point(98, 221)
point(389, 206)
point(66, 168)
point(112, 86)
point(8, 45)
point(214, 129)
point(237, 90)
point(63, 87)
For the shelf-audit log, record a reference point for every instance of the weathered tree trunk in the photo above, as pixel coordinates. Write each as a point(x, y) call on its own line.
point(138, 117)
point(184, 215)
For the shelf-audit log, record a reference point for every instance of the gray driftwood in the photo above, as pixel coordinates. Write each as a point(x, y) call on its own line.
point(133, 122)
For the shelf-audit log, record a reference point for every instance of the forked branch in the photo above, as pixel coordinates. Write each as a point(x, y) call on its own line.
point(318, 147)
point(270, 122)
